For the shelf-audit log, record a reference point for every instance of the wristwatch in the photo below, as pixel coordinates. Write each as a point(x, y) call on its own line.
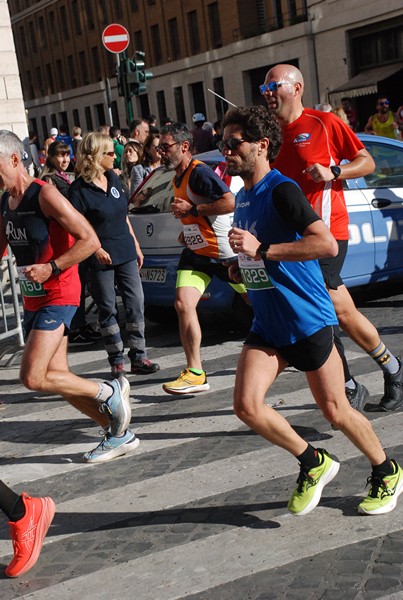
point(263, 248)
point(193, 211)
point(55, 268)
point(336, 172)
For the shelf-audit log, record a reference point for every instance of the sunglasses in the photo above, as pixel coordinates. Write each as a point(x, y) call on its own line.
point(164, 147)
point(272, 86)
point(111, 153)
point(231, 143)
point(384, 103)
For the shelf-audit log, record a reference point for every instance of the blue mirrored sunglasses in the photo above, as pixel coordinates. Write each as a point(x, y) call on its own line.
point(272, 86)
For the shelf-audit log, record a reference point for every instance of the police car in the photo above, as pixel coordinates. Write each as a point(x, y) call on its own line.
point(375, 251)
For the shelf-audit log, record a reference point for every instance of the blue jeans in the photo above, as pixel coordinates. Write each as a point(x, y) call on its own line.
point(102, 284)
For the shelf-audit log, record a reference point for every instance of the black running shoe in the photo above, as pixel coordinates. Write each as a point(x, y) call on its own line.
point(80, 338)
point(357, 397)
point(392, 398)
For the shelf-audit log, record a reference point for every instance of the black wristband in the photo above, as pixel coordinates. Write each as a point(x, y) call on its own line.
point(263, 248)
point(193, 211)
point(55, 269)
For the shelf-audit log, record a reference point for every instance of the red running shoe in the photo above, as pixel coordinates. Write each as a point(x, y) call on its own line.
point(28, 533)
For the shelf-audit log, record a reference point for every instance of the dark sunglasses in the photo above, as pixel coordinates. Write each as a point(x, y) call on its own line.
point(384, 103)
point(111, 153)
point(272, 86)
point(231, 143)
point(164, 147)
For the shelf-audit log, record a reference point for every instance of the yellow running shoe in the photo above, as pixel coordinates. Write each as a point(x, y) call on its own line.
point(187, 383)
point(383, 492)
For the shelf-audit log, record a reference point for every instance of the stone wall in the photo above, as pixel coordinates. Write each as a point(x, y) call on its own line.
point(12, 110)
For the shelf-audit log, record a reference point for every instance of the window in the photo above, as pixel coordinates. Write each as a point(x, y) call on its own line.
point(75, 10)
point(95, 63)
point(174, 39)
point(198, 97)
point(39, 81)
point(90, 14)
point(53, 28)
point(134, 5)
point(88, 118)
point(118, 9)
point(162, 109)
point(214, 21)
point(49, 79)
point(179, 105)
point(156, 43)
point(115, 113)
point(84, 70)
point(32, 37)
point(220, 105)
point(76, 117)
point(389, 166)
point(377, 47)
point(138, 40)
point(23, 41)
point(100, 112)
point(59, 73)
point(43, 40)
point(65, 23)
point(44, 128)
point(193, 32)
point(72, 71)
point(103, 13)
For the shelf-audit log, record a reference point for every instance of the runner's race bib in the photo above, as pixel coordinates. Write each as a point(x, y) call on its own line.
point(29, 288)
point(254, 273)
point(194, 238)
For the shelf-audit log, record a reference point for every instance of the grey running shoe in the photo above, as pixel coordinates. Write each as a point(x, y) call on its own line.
point(392, 398)
point(111, 447)
point(118, 406)
point(358, 397)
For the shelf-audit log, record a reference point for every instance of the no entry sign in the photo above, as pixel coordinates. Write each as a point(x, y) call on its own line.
point(115, 38)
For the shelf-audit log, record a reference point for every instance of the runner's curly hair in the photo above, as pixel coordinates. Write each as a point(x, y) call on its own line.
point(256, 122)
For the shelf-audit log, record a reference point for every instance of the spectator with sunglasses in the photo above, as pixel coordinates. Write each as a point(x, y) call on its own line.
point(384, 121)
point(313, 148)
point(98, 195)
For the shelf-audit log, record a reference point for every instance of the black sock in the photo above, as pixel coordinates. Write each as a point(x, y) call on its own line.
point(385, 468)
point(11, 503)
point(309, 458)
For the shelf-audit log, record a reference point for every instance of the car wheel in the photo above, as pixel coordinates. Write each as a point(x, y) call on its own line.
point(163, 315)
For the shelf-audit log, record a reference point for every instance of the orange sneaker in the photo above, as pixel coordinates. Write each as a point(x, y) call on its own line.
point(28, 534)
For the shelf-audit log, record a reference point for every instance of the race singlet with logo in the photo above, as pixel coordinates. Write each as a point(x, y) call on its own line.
point(254, 273)
point(28, 288)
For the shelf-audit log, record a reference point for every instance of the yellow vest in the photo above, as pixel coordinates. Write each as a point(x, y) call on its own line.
point(386, 129)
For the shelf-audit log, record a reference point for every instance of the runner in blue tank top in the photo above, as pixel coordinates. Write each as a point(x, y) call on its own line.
point(278, 238)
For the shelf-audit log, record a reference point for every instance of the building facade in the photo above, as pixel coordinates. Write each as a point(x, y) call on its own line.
point(197, 47)
point(12, 109)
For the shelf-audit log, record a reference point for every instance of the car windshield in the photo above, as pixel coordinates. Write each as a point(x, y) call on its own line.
point(156, 193)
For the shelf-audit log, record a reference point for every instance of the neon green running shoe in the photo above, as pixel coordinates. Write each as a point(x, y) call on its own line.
point(311, 483)
point(383, 493)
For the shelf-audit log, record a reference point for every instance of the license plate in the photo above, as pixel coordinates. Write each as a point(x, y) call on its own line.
point(153, 275)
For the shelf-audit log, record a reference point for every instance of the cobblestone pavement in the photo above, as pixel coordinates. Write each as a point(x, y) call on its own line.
point(199, 512)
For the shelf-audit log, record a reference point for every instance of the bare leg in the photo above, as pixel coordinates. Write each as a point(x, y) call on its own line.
point(327, 386)
point(357, 327)
point(44, 368)
point(257, 369)
point(186, 302)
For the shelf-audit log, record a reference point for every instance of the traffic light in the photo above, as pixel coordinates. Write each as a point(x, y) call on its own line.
point(142, 74)
point(136, 75)
point(121, 79)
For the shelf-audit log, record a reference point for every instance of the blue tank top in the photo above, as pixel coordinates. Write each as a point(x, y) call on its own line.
point(289, 299)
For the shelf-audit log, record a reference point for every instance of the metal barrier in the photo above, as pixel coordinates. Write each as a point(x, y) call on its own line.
point(11, 307)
